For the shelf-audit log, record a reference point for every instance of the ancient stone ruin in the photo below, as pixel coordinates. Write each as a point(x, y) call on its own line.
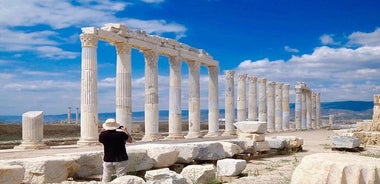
point(369, 132)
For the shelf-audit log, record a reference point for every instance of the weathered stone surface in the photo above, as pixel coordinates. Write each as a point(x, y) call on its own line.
point(231, 149)
point(293, 141)
point(164, 176)
point(344, 132)
point(363, 126)
point(251, 136)
point(230, 167)
point(344, 142)
point(46, 169)
point(210, 151)
point(276, 142)
point(90, 163)
point(163, 155)
point(368, 138)
point(128, 179)
point(199, 173)
point(187, 152)
point(248, 146)
point(251, 126)
point(12, 174)
point(138, 160)
point(337, 168)
point(262, 146)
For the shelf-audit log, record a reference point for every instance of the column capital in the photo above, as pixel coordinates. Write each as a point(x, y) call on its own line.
point(279, 85)
point(242, 76)
point(89, 40)
point(229, 74)
point(150, 55)
point(271, 83)
point(123, 48)
point(263, 80)
point(252, 79)
point(194, 64)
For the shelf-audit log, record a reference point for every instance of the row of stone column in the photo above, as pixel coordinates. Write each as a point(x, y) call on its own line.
point(89, 114)
point(267, 102)
point(307, 108)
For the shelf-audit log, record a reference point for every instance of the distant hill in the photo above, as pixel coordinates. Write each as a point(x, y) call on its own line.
point(348, 105)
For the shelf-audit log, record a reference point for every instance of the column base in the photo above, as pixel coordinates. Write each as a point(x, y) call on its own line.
point(174, 136)
point(31, 146)
point(152, 137)
point(193, 135)
point(88, 142)
point(212, 134)
point(229, 133)
point(270, 130)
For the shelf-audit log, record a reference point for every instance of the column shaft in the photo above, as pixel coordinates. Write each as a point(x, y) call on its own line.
point(194, 101)
point(175, 112)
point(241, 98)
point(304, 109)
point(278, 107)
point(285, 107)
point(229, 103)
point(32, 130)
point(262, 99)
point(271, 107)
point(213, 102)
point(313, 110)
point(298, 107)
point(252, 99)
point(308, 110)
point(318, 110)
point(123, 86)
point(151, 97)
point(89, 91)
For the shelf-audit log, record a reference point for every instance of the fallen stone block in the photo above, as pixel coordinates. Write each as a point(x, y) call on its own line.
point(251, 126)
point(187, 153)
point(11, 174)
point(337, 168)
point(90, 163)
point(138, 160)
point(231, 149)
point(230, 167)
point(293, 141)
point(262, 146)
point(276, 142)
point(344, 142)
point(128, 179)
point(210, 151)
point(199, 173)
point(164, 175)
point(251, 136)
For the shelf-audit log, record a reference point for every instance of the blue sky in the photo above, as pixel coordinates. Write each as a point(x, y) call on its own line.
point(333, 46)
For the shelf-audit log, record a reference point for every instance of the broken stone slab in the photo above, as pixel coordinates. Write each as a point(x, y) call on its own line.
point(262, 146)
point(368, 137)
point(128, 179)
point(199, 173)
point(251, 126)
point(210, 151)
point(90, 163)
point(345, 142)
point(187, 152)
point(251, 136)
point(344, 132)
point(230, 167)
point(337, 168)
point(276, 142)
point(292, 141)
point(363, 126)
point(231, 149)
point(138, 160)
point(248, 146)
point(11, 173)
point(164, 175)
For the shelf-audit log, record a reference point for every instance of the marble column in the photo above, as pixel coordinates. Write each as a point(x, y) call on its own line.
point(123, 85)
point(285, 107)
point(298, 107)
point(252, 99)
point(89, 91)
point(278, 107)
point(318, 110)
point(229, 103)
point(69, 115)
point(304, 109)
point(262, 99)
point(175, 111)
point(308, 109)
point(241, 98)
point(32, 130)
point(313, 111)
point(151, 97)
point(213, 102)
point(271, 107)
point(194, 101)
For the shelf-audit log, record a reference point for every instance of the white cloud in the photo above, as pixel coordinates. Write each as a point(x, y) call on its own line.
point(328, 40)
point(153, 1)
point(289, 49)
point(339, 73)
point(365, 39)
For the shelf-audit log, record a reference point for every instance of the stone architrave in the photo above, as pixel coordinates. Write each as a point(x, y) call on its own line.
point(32, 130)
point(258, 127)
point(151, 97)
point(285, 107)
point(123, 85)
point(89, 91)
point(241, 98)
point(278, 107)
point(262, 99)
point(229, 103)
point(298, 106)
point(194, 101)
point(175, 112)
point(271, 107)
point(252, 99)
point(213, 103)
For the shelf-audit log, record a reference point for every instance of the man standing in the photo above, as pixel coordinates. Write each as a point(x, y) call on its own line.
point(114, 138)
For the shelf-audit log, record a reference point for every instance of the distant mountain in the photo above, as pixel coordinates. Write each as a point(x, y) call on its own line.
point(348, 105)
